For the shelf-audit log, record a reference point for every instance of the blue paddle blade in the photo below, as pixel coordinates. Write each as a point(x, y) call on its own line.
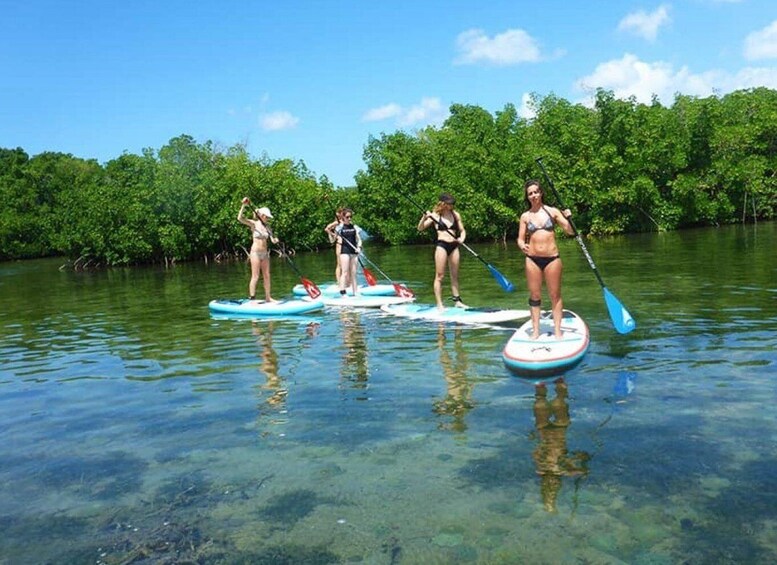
point(621, 319)
point(500, 278)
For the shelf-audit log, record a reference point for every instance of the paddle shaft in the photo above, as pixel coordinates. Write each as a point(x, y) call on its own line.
point(361, 256)
point(367, 274)
point(310, 287)
point(571, 223)
point(440, 223)
point(500, 278)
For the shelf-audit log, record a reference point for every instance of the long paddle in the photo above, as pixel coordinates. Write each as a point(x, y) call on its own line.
point(621, 319)
point(399, 289)
point(506, 285)
point(310, 287)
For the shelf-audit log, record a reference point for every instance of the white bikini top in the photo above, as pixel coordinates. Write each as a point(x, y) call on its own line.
point(260, 230)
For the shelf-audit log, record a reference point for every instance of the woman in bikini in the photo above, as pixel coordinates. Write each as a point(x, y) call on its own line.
point(332, 229)
point(537, 240)
point(450, 233)
point(260, 254)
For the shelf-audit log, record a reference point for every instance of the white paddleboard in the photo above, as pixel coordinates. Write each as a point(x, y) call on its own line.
point(546, 355)
point(333, 289)
point(361, 301)
point(455, 315)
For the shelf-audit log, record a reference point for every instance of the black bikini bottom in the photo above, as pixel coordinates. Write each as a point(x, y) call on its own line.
point(542, 262)
point(449, 246)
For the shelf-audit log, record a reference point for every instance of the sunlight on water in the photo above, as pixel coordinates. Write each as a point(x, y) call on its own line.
point(135, 427)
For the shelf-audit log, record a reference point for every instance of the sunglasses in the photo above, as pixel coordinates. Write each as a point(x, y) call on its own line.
point(348, 217)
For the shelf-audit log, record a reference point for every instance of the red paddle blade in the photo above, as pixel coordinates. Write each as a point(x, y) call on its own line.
point(311, 288)
point(369, 277)
point(403, 291)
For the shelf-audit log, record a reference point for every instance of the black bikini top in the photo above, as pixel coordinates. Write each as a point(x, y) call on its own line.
point(454, 227)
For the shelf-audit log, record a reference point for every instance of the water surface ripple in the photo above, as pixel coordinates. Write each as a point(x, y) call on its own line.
point(135, 427)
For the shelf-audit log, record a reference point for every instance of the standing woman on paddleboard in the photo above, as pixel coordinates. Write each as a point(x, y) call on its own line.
point(350, 247)
point(260, 254)
point(332, 230)
point(450, 233)
point(537, 240)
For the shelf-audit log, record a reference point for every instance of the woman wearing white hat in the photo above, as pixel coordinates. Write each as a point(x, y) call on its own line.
point(260, 254)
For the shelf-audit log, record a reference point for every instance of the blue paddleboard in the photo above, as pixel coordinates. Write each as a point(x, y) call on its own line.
point(245, 307)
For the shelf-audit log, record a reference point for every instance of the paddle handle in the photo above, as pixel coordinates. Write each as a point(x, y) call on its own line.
point(557, 195)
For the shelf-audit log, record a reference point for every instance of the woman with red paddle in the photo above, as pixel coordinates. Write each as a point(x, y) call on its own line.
point(260, 253)
point(348, 233)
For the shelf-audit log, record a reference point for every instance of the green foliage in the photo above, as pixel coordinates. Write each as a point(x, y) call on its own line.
point(621, 166)
point(176, 204)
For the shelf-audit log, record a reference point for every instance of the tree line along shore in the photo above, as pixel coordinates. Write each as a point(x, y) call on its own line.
point(621, 166)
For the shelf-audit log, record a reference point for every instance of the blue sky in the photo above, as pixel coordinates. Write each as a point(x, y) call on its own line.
point(312, 80)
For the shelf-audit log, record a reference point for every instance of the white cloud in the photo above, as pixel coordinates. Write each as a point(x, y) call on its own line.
point(629, 76)
point(275, 121)
point(528, 110)
point(427, 112)
point(509, 48)
point(762, 44)
point(645, 24)
point(751, 77)
point(430, 110)
point(382, 113)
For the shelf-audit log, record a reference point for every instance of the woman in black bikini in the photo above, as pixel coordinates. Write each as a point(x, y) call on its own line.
point(450, 233)
point(537, 240)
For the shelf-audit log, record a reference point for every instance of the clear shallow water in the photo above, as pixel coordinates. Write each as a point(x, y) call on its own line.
point(136, 428)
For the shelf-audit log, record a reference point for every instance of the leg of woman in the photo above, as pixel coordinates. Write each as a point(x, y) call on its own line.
point(453, 267)
point(338, 247)
point(553, 282)
point(266, 281)
point(353, 261)
point(344, 264)
point(534, 285)
point(440, 260)
point(254, 274)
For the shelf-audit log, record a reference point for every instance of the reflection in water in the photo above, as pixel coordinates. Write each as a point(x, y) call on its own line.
point(552, 458)
point(274, 389)
point(354, 371)
point(458, 399)
point(274, 384)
